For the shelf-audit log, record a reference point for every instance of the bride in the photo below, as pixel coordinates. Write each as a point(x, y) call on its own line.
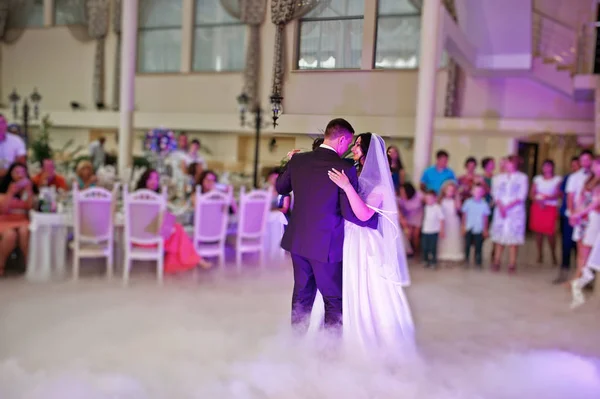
point(375, 310)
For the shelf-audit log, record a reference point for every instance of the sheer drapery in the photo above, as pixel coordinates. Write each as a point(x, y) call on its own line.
point(283, 12)
point(116, 26)
point(25, 14)
point(96, 13)
point(251, 13)
point(331, 36)
point(69, 12)
point(159, 35)
point(4, 7)
point(218, 38)
point(398, 34)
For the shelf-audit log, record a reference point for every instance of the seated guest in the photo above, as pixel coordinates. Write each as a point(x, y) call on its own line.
point(194, 172)
point(16, 200)
point(85, 175)
point(48, 176)
point(279, 203)
point(208, 182)
point(180, 254)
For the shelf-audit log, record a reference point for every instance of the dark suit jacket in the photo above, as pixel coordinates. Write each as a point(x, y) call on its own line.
point(316, 227)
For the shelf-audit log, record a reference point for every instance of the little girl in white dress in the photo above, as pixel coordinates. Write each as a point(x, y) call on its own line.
point(451, 246)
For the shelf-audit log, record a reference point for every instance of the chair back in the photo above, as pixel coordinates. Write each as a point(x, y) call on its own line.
point(253, 213)
point(211, 212)
point(93, 214)
point(144, 212)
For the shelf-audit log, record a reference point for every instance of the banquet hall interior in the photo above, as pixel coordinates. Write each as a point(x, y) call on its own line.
point(143, 257)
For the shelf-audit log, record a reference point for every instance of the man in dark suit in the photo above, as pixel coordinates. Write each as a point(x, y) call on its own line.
point(315, 234)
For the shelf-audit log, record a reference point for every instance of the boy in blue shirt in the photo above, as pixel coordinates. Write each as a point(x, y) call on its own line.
point(475, 221)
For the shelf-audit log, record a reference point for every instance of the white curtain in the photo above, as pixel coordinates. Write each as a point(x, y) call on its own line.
point(69, 12)
point(25, 14)
point(159, 36)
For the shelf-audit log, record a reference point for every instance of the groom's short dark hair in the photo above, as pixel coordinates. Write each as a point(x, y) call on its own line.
point(337, 127)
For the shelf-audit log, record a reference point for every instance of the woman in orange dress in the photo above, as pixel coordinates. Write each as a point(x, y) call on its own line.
point(16, 199)
point(180, 254)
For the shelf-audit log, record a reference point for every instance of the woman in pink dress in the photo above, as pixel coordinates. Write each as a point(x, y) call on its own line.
point(180, 254)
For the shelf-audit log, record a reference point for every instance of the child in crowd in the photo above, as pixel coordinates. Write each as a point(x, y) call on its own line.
point(410, 203)
point(433, 227)
point(451, 245)
point(475, 222)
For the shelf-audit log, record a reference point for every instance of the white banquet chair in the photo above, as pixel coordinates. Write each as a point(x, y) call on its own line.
point(93, 226)
point(211, 214)
point(252, 223)
point(144, 213)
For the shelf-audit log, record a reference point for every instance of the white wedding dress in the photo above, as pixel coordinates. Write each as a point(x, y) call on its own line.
point(376, 314)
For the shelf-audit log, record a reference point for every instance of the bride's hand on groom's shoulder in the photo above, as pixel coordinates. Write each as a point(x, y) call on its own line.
point(339, 178)
point(292, 153)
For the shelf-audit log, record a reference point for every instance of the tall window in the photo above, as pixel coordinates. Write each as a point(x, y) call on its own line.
point(398, 34)
point(331, 37)
point(69, 12)
point(219, 39)
point(26, 14)
point(159, 36)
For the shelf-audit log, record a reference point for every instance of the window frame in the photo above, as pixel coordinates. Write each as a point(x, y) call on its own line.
point(392, 15)
point(196, 25)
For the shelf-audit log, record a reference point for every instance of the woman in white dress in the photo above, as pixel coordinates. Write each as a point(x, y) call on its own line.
point(376, 314)
point(509, 191)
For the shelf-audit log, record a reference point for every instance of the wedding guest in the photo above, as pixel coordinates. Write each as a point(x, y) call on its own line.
point(586, 214)
point(509, 190)
point(396, 166)
point(543, 214)
point(566, 230)
point(489, 166)
point(279, 203)
point(208, 182)
point(194, 172)
point(451, 245)
point(180, 254)
point(48, 176)
point(182, 142)
point(97, 153)
point(411, 207)
point(574, 188)
point(475, 223)
point(194, 156)
point(468, 180)
point(16, 200)
point(85, 177)
point(435, 176)
point(12, 148)
point(432, 229)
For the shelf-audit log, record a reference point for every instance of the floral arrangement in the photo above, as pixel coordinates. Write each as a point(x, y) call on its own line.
point(160, 141)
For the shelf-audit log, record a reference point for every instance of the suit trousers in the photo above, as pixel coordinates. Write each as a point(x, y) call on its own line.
point(310, 275)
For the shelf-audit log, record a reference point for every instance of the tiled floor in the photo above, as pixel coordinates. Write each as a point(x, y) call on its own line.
point(223, 334)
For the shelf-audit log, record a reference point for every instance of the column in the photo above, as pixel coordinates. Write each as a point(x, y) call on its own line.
point(129, 18)
point(188, 10)
point(426, 92)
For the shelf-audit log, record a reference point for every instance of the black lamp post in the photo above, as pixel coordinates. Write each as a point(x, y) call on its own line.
point(258, 124)
point(15, 101)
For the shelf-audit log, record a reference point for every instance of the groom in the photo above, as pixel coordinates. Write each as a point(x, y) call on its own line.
point(315, 234)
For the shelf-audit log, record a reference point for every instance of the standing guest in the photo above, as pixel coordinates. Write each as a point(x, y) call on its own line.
point(543, 214)
point(566, 230)
point(469, 179)
point(475, 222)
point(97, 153)
point(182, 142)
point(574, 188)
point(450, 247)
point(432, 229)
point(411, 207)
point(180, 254)
point(586, 214)
point(48, 176)
point(279, 203)
point(12, 148)
point(193, 154)
point(437, 174)
point(396, 166)
point(16, 200)
point(509, 190)
point(489, 166)
point(85, 177)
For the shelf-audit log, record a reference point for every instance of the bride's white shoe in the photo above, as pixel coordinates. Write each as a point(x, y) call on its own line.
point(578, 297)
